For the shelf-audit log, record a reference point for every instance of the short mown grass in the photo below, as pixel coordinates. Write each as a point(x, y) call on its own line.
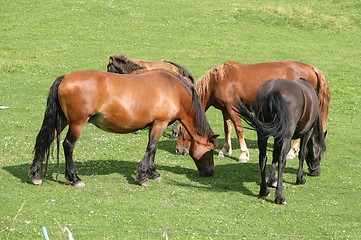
point(42, 40)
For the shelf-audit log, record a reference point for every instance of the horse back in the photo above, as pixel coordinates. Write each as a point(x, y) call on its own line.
point(301, 100)
point(122, 98)
point(245, 79)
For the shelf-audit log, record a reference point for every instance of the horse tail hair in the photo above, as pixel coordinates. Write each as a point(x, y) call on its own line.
point(276, 125)
point(51, 126)
point(182, 71)
point(323, 94)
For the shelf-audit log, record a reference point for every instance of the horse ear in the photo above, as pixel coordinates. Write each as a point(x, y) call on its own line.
point(110, 60)
point(215, 136)
point(325, 134)
point(213, 139)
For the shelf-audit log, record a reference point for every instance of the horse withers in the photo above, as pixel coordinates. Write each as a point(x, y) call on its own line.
point(122, 104)
point(216, 88)
point(286, 110)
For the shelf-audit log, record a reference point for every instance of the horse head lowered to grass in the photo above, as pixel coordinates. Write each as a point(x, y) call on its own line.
point(123, 65)
point(216, 88)
point(286, 110)
point(122, 103)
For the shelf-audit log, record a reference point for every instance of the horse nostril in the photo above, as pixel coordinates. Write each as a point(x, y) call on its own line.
point(206, 173)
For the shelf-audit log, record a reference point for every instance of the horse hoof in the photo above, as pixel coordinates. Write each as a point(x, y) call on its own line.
point(36, 181)
point(280, 201)
point(144, 184)
point(243, 160)
point(291, 155)
point(272, 184)
point(158, 178)
point(263, 194)
point(224, 153)
point(244, 157)
point(79, 184)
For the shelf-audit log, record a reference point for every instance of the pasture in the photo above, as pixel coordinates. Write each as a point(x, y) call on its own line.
point(42, 40)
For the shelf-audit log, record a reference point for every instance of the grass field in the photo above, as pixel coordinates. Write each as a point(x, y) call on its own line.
point(42, 40)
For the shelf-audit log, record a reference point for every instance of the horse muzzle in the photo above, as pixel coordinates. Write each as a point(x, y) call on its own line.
point(315, 171)
point(206, 172)
point(181, 151)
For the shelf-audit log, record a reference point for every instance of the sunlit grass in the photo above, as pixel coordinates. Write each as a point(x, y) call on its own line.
point(41, 41)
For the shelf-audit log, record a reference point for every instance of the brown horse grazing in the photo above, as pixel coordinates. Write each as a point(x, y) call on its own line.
point(121, 64)
point(286, 110)
point(122, 104)
point(215, 88)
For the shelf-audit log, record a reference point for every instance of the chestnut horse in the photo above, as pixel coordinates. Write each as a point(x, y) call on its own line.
point(215, 88)
point(286, 110)
point(120, 64)
point(122, 104)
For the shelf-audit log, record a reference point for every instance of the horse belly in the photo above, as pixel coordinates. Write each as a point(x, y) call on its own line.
point(116, 124)
point(127, 118)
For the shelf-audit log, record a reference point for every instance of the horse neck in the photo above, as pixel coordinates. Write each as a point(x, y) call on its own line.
point(195, 120)
point(204, 89)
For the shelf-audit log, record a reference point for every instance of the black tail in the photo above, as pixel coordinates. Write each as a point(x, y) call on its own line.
point(45, 137)
point(272, 117)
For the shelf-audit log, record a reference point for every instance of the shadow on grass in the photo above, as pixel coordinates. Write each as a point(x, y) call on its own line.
point(168, 145)
point(228, 177)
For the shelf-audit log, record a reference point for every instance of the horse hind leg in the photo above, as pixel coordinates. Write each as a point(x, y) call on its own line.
point(262, 146)
point(40, 150)
point(69, 144)
point(281, 148)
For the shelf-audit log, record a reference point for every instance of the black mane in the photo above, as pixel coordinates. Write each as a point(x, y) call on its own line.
point(122, 65)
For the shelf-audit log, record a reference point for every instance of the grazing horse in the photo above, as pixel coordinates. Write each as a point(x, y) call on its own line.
point(122, 104)
point(122, 65)
point(215, 88)
point(286, 110)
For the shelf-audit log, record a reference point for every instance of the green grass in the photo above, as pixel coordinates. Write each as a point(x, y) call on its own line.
point(41, 40)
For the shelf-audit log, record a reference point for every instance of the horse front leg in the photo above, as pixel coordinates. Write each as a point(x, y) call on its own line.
point(295, 148)
point(237, 121)
point(227, 145)
point(301, 158)
point(262, 146)
point(146, 168)
point(68, 146)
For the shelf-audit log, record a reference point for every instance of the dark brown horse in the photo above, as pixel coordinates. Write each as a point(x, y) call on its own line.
point(122, 104)
point(120, 64)
point(286, 110)
point(215, 88)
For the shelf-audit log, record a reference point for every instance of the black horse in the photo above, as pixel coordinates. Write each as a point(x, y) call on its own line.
point(286, 110)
